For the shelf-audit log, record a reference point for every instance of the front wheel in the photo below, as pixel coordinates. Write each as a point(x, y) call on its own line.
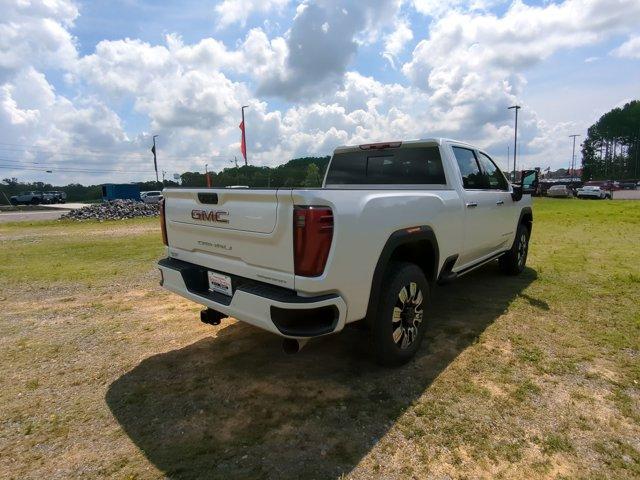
point(514, 261)
point(398, 326)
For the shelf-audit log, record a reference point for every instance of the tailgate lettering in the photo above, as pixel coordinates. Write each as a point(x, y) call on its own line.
point(210, 216)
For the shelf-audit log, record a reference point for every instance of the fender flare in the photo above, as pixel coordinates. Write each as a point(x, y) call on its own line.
point(526, 211)
point(396, 239)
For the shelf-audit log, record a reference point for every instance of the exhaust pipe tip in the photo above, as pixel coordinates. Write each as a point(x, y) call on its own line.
point(291, 346)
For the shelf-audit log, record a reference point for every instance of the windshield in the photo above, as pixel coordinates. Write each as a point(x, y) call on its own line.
point(398, 166)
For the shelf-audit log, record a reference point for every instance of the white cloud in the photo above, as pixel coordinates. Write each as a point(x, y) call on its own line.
point(437, 8)
point(238, 11)
point(323, 40)
point(395, 42)
point(34, 33)
point(472, 64)
point(629, 49)
point(463, 74)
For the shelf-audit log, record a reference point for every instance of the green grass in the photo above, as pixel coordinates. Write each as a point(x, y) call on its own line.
point(107, 375)
point(53, 251)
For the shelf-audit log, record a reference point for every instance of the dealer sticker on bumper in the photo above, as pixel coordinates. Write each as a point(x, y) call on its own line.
point(220, 283)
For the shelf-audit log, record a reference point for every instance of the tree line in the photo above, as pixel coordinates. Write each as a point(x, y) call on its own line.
point(612, 147)
point(299, 172)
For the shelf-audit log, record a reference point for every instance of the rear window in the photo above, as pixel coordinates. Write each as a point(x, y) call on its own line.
point(402, 166)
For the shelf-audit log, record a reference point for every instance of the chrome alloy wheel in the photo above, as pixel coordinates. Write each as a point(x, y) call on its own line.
point(407, 315)
point(522, 249)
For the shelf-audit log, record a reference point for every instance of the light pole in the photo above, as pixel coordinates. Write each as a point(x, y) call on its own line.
point(515, 140)
point(206, 175)
point(573, 156)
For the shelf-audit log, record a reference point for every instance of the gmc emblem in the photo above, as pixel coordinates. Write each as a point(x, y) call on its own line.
point(210, 216)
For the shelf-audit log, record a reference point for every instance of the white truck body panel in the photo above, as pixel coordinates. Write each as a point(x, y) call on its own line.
point(257, 241)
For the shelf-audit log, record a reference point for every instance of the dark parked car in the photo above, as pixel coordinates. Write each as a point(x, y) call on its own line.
point(55, 196)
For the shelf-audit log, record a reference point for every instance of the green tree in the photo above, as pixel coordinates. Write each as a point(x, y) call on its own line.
point(313, 176)
point(612, 147)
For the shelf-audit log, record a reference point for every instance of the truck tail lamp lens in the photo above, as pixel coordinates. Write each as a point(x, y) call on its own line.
point(163, 223)
point(312, 236)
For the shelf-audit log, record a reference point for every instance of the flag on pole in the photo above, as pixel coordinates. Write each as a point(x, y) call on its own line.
point(155, 162)
point(243, 142)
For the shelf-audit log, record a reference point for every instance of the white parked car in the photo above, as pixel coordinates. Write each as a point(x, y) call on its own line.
point(559, 191)
point(390, 220)
point(593, 192)
point(151, 197)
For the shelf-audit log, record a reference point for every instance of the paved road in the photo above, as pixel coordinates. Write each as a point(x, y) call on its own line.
point(626, 195)
point(30, 216)
point(53, 213)
point(67, 206)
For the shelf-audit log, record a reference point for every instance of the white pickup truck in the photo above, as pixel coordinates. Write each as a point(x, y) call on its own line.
point(390, 221)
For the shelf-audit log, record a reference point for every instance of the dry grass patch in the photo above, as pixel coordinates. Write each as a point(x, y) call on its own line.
point(105, 375)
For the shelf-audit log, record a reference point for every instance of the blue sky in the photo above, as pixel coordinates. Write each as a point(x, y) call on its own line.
point(84, 85)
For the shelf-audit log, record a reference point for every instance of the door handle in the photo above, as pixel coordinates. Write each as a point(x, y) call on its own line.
point(472, 204)
point(500, 202)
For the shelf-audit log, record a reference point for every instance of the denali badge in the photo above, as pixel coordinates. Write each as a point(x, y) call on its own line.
point(210, 216)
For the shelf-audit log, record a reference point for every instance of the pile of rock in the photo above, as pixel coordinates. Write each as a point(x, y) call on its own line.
point(114, 210)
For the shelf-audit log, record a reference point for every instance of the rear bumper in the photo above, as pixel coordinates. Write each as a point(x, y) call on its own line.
point(275, 309)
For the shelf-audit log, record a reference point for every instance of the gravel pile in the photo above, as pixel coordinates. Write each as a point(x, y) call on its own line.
point(114, 210)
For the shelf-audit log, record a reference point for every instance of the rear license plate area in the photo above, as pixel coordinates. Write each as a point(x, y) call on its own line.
point(220, 283)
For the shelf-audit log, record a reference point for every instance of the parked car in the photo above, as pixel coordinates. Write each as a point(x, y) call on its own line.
point(151, 197)
point(628, 185)
point(559, 191)
point(608, 185)
point(27, 198)
point(390, 220)
point(592, 191)
point(54, 196)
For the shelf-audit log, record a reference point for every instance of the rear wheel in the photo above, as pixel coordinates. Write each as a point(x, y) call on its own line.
point(514, 261)
point(398, 326)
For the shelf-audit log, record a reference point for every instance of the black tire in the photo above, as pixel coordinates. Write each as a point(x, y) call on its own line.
point(514, 261)
point(398, 325)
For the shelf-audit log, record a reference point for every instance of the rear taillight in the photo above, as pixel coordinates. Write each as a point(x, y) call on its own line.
point(163, 223)
point(312, 235)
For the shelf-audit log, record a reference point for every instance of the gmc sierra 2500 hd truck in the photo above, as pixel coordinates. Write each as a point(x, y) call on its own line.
point(390, 221)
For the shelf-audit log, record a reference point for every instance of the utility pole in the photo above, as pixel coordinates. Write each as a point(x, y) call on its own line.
point(155, 157)
point(573, 157)
point(508, 156)
point(515, 140)
point(206, 175)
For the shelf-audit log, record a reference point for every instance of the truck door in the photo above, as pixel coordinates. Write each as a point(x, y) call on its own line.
point(505, 212)
point(482, 226)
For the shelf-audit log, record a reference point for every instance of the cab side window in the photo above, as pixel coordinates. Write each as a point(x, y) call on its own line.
point(469, 169)
point(493, 177)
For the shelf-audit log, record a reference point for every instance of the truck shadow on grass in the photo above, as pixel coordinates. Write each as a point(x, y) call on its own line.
point(235, 406)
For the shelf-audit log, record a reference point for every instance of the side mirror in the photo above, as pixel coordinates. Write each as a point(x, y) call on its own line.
point(516, 194)
point(528, 185)
point(529, 181)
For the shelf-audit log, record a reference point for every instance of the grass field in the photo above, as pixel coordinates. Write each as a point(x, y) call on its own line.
point(106, 375)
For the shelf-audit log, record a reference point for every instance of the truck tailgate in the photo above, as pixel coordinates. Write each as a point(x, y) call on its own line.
point(238, 231)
